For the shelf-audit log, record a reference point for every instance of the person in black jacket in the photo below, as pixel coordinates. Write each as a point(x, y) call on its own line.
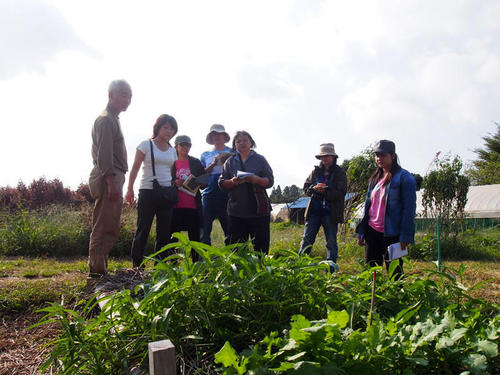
point(327, 186)
point(187, 212)
point(245, 177)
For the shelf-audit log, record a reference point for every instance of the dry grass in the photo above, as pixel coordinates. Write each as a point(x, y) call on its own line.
point(22, 350)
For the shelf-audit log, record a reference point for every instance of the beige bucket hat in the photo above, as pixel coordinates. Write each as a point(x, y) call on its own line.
point(217, 128)
point(326, 149)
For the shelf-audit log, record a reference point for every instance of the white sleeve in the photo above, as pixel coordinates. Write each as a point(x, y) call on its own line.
point(144, 147)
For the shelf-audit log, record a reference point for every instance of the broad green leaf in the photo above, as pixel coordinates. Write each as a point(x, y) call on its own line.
point(449, 341)
point(299, 322)
point(477, 363)
point(341, 318)
point(284, 366)
point(404, 315)
point(293, 358)
point(307, 368)
point(489, 348)
point(227, 356)
point(491, 332)
point(419, 361)
point(296, 332)
point(292, 344)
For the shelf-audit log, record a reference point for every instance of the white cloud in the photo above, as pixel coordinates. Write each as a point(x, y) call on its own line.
point(32, 33)
point(294, 74)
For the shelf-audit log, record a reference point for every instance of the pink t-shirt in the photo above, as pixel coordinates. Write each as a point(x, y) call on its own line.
point(376, 213)
point(182, 172)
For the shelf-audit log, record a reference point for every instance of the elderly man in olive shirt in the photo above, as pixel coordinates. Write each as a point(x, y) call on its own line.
point(107, 177)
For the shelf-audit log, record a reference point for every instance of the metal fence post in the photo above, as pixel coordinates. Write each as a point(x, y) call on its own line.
point(438, 225)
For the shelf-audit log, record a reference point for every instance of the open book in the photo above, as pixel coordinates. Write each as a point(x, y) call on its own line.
point(192, 184)
point(395, 252)
point(242, 174)
point(223, 157)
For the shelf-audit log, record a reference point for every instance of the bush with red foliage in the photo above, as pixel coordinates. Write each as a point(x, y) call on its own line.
point(9, 198)
point(42, 193)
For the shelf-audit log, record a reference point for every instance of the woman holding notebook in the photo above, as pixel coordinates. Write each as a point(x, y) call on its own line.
point(389, 208)
point(245, 177)
point(187, 211)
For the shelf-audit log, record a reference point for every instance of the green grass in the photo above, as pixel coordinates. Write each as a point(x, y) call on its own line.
point(31, 294)
point(472, 244)
point(60, 232)
point(475, 248)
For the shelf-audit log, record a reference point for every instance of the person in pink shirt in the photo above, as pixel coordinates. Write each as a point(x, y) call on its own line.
point(389, 208)
point(187, 212)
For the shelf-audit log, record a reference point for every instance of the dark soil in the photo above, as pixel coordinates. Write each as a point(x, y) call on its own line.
point(23, 350)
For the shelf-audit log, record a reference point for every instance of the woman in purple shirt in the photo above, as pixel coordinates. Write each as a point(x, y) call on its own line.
point(246, 176)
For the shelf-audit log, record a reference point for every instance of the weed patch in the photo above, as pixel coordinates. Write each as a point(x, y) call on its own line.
point(241, 301)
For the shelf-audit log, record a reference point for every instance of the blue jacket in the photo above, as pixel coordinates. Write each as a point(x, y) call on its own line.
point(400, 207)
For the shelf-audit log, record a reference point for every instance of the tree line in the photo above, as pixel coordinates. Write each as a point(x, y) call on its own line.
point(445, 186)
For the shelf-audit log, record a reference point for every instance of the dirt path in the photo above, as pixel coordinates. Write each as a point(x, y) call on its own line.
point(22, 351)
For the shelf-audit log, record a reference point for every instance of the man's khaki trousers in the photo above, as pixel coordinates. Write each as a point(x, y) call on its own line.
point(105, 223)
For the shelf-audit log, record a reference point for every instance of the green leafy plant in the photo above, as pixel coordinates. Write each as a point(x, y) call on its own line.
point(442, 344)
point(445, 193)
point(238, 296)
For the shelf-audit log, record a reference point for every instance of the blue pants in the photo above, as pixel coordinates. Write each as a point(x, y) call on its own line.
point(214, 209)
point(311, 230)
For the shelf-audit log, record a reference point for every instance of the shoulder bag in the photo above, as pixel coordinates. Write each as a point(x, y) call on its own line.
point(163, 196)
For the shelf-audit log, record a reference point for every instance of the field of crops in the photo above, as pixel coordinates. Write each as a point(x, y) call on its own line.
point(237, 312)
point(281, 314)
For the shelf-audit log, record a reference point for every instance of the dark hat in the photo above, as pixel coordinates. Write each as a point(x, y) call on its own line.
point(326, 149)
point(385, 146)
point(217, 128)
point(182, 139)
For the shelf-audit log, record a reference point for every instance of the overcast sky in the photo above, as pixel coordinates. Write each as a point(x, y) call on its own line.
point(425, 74)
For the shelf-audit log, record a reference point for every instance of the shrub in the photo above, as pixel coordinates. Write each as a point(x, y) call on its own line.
point(60, 231)
point(42, 193)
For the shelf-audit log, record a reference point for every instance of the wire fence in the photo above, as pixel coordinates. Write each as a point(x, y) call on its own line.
point(426, 225)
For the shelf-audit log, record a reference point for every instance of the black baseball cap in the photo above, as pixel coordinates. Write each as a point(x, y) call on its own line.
point(385, 146)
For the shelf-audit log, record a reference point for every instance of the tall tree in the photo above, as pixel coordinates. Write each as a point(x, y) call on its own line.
point(445, 192)
point(294, 193)
point(486, 169)
point(358, 170)
point(276, 195)
point(286, 194)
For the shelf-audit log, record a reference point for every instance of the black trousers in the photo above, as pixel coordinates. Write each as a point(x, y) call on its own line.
point(376, 250)
point(255, 228)
point(146, 211)
point(186, 219)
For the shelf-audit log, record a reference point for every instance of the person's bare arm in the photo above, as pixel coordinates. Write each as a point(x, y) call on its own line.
point(139, 158)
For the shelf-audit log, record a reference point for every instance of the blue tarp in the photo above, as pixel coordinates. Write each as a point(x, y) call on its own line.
point(303, 201)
